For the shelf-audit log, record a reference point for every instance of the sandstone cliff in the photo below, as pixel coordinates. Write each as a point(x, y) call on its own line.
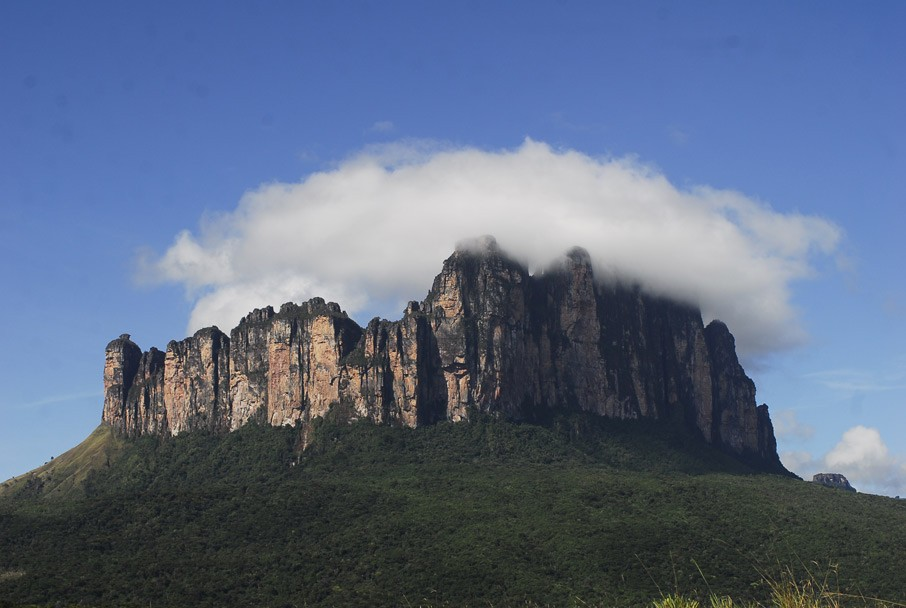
point(489, 338)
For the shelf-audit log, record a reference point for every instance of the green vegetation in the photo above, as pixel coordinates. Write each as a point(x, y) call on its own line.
point(786, 592)
point(582, 511)
point(64, 476)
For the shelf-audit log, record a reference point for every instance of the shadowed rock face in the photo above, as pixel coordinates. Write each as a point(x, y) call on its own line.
point(488, 339)
point(121, 365)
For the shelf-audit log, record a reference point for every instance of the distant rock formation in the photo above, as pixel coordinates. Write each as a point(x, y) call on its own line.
point(833, 480)
point(488, 339)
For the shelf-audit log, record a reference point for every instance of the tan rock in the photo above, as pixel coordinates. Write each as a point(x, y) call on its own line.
point(488, 339)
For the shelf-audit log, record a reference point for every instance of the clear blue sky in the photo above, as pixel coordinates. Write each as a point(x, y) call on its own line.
point(123, 124)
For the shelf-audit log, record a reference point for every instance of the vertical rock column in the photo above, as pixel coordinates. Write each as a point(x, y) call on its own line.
point(413, 368)
point(413, 388)
point(477, 313)
point(121, 363)
point(577, 373)
point(249, 361)
point(287, 366)
point(145, 412)
point(735, 417)
point(394, 376)
point(330, 336)
point(767, 442)
point(687, 370)
point(381, 377)
point(285, 391)
point(196, 382)
point(450, 321)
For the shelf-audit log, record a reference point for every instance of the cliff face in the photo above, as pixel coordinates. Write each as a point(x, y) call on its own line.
point(488, 338)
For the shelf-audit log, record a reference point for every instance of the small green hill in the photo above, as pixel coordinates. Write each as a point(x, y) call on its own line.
point(581, 511)
point(63, 476)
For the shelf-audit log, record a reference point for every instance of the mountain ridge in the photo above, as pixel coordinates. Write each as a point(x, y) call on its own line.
point(489, 338)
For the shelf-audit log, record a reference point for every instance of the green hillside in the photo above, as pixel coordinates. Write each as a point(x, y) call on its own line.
point(63, 476)
point(580, 512)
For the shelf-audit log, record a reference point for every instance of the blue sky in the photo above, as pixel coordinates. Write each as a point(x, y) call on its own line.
point(160, 164)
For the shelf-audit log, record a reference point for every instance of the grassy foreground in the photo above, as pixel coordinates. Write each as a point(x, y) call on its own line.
point(786, 592)
point(583, 512)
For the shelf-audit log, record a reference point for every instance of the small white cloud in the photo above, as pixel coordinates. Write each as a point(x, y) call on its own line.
point(860, 447)
point(307, 156)
point(55, 399)
point(561, 121)
point(861, 380)
point(787, 426)
point(894, 304)
point(677, 135)
point(382, 126)
point(374, 230)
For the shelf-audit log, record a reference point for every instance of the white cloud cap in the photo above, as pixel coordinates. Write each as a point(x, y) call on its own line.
point(372, 233)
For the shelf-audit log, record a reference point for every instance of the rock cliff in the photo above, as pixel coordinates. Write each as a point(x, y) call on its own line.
point(489, 338)
point(833, 480)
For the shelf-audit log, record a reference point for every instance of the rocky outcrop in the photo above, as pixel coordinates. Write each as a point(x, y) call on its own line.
point(489, 338)
point(121, 366)
point(196, 383)
point(833, 480)
point(286, 366)
point(144, 411)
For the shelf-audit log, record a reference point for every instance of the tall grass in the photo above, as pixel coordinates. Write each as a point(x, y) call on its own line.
point(787, 591)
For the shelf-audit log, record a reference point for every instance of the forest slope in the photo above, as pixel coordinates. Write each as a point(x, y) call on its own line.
point(486, 513)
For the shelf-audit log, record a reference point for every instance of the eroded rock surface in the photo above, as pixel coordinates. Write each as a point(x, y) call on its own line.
point(489, 338)
point(833, 480)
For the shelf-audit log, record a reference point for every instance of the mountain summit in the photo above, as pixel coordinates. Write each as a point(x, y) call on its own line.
point(489, 338)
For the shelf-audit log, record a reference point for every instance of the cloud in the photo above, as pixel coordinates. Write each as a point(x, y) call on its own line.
point(561, 121)
point(55, 399)
point(861, 447)
point(787, 426)
point(862, 456)
point(677, 135)
point(800, 462)
point(382, 126)
point(862, 381)
point(373, 231)
point(894, 304)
